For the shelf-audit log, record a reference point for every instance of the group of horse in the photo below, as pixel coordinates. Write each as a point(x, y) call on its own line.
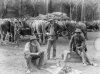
point(65, 28)
point(24, 27)
point(92, 26)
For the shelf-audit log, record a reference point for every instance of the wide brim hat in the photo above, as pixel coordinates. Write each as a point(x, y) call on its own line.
point(78, 30)
point(50, 20)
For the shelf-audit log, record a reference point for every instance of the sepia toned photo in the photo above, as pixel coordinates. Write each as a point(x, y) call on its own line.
point(49, 36)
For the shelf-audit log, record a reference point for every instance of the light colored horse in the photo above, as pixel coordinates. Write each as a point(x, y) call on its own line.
point(39, 28)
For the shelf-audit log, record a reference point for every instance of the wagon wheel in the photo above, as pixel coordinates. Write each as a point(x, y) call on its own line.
point(64, 34)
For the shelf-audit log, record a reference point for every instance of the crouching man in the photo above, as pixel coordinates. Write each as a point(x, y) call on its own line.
point(77, 44)
point(33, 54)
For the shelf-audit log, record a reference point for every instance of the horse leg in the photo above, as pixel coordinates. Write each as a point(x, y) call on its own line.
point(13, 38)
point(37, 37)
point(44, 38)
point(2, 38)
point(43, 34)
point(40, 39)
point(7, 37)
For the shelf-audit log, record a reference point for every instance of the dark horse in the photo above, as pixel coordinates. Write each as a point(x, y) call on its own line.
point(6, 27)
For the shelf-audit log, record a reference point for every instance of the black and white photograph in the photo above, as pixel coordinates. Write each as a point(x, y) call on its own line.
point(49, 36)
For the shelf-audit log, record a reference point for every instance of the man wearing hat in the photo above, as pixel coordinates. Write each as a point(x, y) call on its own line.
point(52, 38)
point(33, 54)
point(77, 44)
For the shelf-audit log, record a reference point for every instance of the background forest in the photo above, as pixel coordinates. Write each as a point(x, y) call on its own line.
point(78, 10)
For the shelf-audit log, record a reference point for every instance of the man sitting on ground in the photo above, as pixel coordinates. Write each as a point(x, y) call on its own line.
point(33, 54)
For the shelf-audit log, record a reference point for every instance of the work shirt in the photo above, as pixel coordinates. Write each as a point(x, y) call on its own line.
point(31, 48)
point(53, 32)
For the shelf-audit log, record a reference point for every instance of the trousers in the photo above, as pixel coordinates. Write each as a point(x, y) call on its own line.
point(51, 43)
point(82, 53)
point(34, 60)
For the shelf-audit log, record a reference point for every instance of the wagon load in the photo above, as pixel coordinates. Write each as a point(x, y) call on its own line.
point(54, 15)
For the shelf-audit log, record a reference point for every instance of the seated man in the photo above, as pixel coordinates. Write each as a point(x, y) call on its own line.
point(77, 44)
point(32, 53)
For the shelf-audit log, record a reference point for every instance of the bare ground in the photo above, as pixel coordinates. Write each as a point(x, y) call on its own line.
point(13, 62)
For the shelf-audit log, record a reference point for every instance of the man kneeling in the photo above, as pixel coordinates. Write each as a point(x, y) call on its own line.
point(77, 44)
point(32, 53)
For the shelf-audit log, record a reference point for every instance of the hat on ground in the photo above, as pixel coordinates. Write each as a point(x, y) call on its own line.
point(78, 30)
point(33, 38)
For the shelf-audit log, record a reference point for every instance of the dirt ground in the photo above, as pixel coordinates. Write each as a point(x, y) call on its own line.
point(13, 62)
